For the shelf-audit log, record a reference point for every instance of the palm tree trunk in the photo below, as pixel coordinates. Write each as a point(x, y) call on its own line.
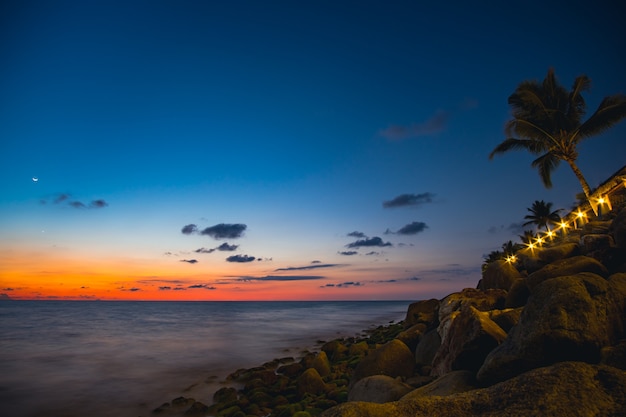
point(581, 178)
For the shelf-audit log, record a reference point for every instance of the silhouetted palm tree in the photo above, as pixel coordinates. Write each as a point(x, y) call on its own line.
point(542, 214)
point(547, 121)
point(527, 237)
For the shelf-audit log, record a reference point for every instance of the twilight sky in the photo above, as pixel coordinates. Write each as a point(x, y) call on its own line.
point(278, 150)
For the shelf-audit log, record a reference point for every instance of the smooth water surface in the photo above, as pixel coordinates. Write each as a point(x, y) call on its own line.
point(98, 358)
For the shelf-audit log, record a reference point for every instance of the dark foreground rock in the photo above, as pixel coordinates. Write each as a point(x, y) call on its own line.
point(564, 389)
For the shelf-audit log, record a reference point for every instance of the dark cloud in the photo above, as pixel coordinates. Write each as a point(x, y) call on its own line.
point(204, 250)
point(98, 204)
point(282, 278)
point(240, 258)
point(165, 288)
point(203, 286)
point(374, 241)
point(180, 289)
point(410, 229)
point(356, 234)
point(225, 231)
point(77, 204)
point(327, 285)
point(436, 124)
point(316, 262)
point(372, 253)
point(404, 200)
point(301, 268)
point(5, 297)
point(131, 289)
point(61, 198)
point(189, 229)
point(348, 253)
point(349, 284)
point(189, 261)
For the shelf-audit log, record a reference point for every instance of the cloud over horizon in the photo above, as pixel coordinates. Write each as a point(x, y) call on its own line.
point(65, 199)
point(374, 241)
point(224, 247)
point(404, 200)
point(240, 258)
point(282, 278)
point(410, 229)
point(436, 124)
point(302, 268)
point(219, 231)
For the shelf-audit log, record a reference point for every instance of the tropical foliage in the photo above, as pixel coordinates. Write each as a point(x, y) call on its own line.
point(548, 122)
point(542, 215)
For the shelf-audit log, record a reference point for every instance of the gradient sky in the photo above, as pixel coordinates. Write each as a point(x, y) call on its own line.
point(279, 150)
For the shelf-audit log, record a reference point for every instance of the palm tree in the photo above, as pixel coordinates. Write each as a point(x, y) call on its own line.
point(542, 214)
point(547, 121)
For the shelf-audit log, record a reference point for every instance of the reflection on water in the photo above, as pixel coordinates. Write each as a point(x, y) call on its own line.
point(125, 358)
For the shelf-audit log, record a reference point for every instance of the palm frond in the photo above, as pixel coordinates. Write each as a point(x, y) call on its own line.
point(611, 111)
point(512, 144)
point(546, 164)
point(531, 130)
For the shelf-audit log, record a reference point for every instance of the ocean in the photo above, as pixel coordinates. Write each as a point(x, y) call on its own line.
point(122, 358)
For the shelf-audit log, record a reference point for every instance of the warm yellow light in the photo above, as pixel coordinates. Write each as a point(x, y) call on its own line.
point(601, 200)
point(550, 233)
point(531, 245)
point(564, 225)
point(539, 240)
point(580, 214)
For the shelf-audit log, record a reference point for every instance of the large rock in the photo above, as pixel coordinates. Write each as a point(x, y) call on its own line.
point(378, 389)
point(566, 318)
point(310, 382)
point(392, 359)
point(470, 337)
point(498, 275)
point(412, 335)
point(422, 312)
point(570, 266)
point(506, 318)
point(451, 383)
point(518, 294)
point(618, 229)
point(322, 364)
point(482, 300)
point(564, 389)
point(427, 348)
point(539, 257)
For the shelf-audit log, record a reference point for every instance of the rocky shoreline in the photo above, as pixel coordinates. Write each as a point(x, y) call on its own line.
point(543, 336)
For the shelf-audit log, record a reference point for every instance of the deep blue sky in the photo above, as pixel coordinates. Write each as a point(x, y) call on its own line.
point(295, 119)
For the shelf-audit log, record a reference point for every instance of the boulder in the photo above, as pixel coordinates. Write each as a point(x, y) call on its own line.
point(451, 383)
point(596, 242)
point(425, 312)
point(566, 318)
point(378, 389)
point(518, 294)
point(564, 389)
point(563, 267)
point(322, 364)
point(334, 349)
point(499, 274)
point(615, 356)
point(412, 335)
point(470, 337)
point(618, 229)
point(538, 258)
point(427, 348)
point(310, 382)
point(507, 318)
point(392, 359)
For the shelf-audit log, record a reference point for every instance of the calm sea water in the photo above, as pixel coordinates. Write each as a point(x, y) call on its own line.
point(102, 359)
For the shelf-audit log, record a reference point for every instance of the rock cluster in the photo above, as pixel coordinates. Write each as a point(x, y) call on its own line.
point(546, 336)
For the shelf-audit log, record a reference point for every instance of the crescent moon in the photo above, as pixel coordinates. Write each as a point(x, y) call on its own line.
point(35, 179)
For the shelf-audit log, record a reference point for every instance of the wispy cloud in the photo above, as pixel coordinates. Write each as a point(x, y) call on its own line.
point(189, 261)
point(240, 258)
point(436, 124)
point(303, 268)
point(374, 241)
point(202, 286)
point(66, 199)
point(282, 278)
point(356, 234)
point(348, 253)
point(224, 247)
point(414, 200)
point(410, 229)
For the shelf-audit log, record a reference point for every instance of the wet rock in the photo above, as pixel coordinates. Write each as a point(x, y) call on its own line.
point(566, 318)
point(225, 395)
point(392, 359)
point(569, 266)
point(378, 389)
point(564, 389)
point(291, 370)
point(322, 364)
point(310, 382)
point(359, 349)
point(467, 341)
point(335, 350)
point(197, 409)
point(498, 275)
point(425, 312)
